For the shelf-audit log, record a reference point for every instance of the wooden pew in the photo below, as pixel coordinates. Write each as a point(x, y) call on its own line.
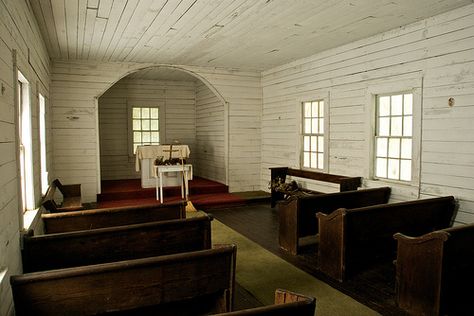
point(435, 272)
point(71, 197)
point(351, 240)
point(345, 183)
point(286, 303)
point(297, 215)
point(71, 249)
point(192, 283)
point(114, 216)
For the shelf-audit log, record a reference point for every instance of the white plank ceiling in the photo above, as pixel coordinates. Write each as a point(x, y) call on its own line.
point(244, 34)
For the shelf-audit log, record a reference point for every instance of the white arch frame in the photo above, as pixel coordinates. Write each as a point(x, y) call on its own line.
point(180, 68)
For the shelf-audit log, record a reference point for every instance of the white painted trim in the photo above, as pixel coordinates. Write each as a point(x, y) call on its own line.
point(226, 142)
point(97, 146)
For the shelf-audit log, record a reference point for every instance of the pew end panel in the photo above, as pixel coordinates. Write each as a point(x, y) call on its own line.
point(193, 282)
point(288, 232)
point(71, 194)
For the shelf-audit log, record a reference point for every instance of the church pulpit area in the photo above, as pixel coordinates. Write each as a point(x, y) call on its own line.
point(203, 193)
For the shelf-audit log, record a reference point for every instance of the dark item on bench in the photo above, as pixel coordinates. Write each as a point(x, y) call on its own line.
point(191, 283)
point(114, 216)
point(435, 272)
point(297, 216)
point(351, 240)
point(72, 249)
point(286, 303)
point(71, 197)
point(345, 183)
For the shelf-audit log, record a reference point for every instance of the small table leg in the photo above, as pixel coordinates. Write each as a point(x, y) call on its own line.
point(161, 186)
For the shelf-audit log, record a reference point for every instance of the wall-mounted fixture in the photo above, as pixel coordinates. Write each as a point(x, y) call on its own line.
point(451, 102)
point(72, 118)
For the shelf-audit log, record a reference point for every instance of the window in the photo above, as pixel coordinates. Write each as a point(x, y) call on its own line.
point(313, 134)
point(42, 136)
point(394, 136)
point(25, 144)
point(145, 126)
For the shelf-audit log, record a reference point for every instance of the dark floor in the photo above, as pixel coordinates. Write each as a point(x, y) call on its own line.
point(259, 222)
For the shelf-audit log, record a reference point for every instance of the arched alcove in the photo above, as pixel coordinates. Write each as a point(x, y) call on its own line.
point(192, 112)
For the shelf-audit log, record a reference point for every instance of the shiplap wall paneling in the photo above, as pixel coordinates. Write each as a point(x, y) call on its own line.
point(178, 117)
point(210, 149)
point(440, 48)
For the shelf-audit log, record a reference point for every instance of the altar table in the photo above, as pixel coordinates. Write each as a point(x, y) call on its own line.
point(186, 173)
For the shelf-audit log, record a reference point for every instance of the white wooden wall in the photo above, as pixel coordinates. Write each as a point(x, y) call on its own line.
point(18, 31)
point(178, 99)
point(439, 50)
point(210, 135)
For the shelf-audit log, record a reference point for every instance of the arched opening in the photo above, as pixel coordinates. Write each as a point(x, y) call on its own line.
point(191, 112)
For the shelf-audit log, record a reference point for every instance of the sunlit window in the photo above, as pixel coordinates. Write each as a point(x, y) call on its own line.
point(313, 134)
point(145, 126)
point(394, 136)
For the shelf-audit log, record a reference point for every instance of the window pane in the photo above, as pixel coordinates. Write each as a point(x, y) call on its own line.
point(382, 144)
point(307, 126)
point(307, 109)
point(321, 144)
point(321, 126)
point(381, 167)
point(313, 143)
point(137, 137)
point(394, 147)
point(146, 125)
point(393, 169)
point(396, 104)
point(137, 125)
point(407, 126)
point(406, 148)
point(155, 137)
point(408, 104)
point(154, 113)
point(136, 113)
point(313, 160)
point(146, 137)
point(314, 109)
point(306, 160)
point(154, 125)
point(320, 161)
point(384, 106)
point(314, 129)
point(321, 108)
point(405, 172)
point(396, 126)
point(306, 143)
point(145, 112)
point(384, 124)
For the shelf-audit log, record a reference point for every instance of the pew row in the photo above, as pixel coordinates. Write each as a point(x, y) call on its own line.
point(71, 194)
point(434, 272)
point(71, 249)
point(192, 283)
point(286, 303)
point(109, 217)
point(297, 215)
point(351, 240)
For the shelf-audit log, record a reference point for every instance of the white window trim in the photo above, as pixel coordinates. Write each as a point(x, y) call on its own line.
point(412, 85)
point(145, 103)
point(318, 96)
point(43, 136)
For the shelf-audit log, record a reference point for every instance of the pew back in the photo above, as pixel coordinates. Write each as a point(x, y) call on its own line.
point(350, 240)
point(434, 270)
point(180, 284)
point(62, 250)
point(109, 217)
point(297, 215)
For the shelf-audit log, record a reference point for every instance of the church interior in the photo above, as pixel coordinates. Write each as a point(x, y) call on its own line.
point(236, 157)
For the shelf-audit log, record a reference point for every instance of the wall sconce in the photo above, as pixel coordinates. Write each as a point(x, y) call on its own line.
point(72, 118)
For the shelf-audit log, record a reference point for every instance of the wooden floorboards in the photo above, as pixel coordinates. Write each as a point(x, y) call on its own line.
point(258, 222)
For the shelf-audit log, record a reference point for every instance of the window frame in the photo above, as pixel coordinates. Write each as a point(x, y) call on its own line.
point(43, 139)
point(323, 96)
point(149, 104)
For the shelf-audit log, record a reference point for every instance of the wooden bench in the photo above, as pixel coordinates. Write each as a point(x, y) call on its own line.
point(435, 272)
point(192, 283)
point(297, 216)
point(351, 240)
point(71, 197)
point(345, 183)
point(71, 249)
point(286, 303)
point(109, 217)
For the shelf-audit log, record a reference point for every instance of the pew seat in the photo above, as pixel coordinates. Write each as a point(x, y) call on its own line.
point(434, 272)
point(71, 197)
